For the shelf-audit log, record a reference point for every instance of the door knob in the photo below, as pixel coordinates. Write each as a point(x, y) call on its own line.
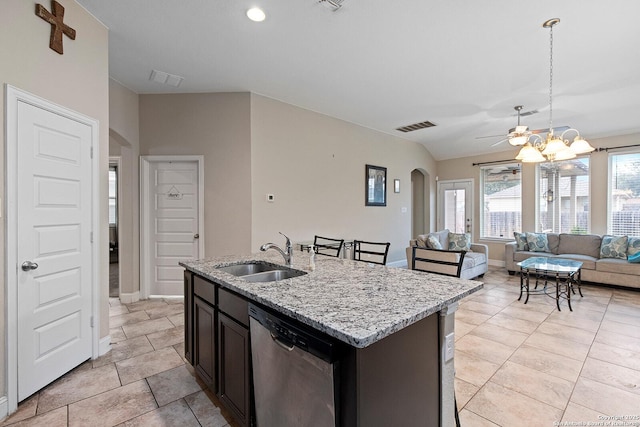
point(28, 265)
point(196, 236)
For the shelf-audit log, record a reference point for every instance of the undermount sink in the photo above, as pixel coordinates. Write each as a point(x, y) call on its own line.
point(261, 272)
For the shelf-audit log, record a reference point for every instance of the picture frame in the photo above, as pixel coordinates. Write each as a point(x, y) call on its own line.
point(375, 185)
point(396, 185)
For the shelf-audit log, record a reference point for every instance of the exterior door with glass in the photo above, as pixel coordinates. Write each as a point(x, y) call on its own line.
point(455, 206)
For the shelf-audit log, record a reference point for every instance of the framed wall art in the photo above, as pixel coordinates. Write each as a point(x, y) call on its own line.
point(375, 186)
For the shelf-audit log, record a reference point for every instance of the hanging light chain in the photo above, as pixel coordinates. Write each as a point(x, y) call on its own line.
point(551, 78)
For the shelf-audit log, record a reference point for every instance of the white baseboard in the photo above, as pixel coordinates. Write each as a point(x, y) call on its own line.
point(4, 408)
point(129, 298)
point(104, 346)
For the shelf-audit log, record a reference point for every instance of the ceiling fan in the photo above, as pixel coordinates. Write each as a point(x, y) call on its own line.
point(521, 131)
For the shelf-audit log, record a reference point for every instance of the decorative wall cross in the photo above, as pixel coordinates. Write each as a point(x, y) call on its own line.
point(57, 26)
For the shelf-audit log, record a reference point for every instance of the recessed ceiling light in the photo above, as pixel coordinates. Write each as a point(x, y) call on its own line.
point(256, 14)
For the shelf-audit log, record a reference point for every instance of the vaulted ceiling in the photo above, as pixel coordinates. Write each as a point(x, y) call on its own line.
point(462, 65)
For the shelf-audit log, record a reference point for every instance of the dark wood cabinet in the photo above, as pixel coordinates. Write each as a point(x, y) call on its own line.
point(188, 316)
point(234, 368)
point(204, 341)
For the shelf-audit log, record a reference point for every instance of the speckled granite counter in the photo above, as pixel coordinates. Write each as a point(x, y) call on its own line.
point(355, 302)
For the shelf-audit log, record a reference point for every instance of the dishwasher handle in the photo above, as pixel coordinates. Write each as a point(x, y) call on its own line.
point(280, 343)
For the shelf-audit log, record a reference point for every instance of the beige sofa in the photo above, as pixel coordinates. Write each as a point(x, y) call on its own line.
point(586, 249)
point(474, 264)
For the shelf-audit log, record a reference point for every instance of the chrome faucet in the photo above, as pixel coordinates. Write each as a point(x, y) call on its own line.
point(287, 254)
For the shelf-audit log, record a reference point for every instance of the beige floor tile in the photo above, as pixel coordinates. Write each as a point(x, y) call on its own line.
point(78, 385)
point(179, 348)
point(125, 350)
point(614, 375)
point(588, 320)
point(167, 337)
point(624, 308)
point(506, 407)
point(207, 413)
point(26, 409)
point(615, 339)
point(609, 325)
point(496, 300)
point(53, 418)
point(147, 304)
point(604, 398)
point(470, 419)
point(114, 301)
point(481, 307)
point(472, 369)
point(500, 334)
point(118, 310)
point(165, 311)
point(485, 349)
point(174, 414)
point(547, 362)
point(535, 384)
point(148, 364)
point(464, 392)
point(567, 333)
point(462, 328)
point(513, 323)
point(147, 327)
point(129, 318)
point(471, 317)
point(177, 319)
point(619, 356)
point(597, 290)
point(173, 384)
point(519, 311)
point(628, 319)
point(579, 415)
point(113, 407)
point(117, 335)
point(576, 351)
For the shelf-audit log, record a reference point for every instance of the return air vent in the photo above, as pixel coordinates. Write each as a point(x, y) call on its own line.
point(165, 78)
point(416, 126)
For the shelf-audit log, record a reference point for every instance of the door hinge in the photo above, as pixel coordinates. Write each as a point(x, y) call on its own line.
point(91, 321)
point(91, 236)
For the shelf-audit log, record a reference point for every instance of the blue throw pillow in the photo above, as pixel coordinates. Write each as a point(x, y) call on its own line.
point(614, 247)
point(634, 258)
point(521, 241)
point(538, 242)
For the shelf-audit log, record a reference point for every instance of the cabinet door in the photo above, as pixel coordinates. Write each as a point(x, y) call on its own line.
point(204, 342)
point(188, 316)
point(234, 369)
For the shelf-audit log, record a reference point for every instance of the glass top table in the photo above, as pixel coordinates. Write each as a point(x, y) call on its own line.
point(563, 274)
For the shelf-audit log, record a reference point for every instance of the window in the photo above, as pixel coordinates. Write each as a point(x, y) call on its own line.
point(563, 196)
point(501, 193)
point(624, 194)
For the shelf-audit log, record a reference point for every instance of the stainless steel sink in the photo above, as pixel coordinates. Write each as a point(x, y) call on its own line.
point(272, 276)
point(261, 272)
point(245, 269)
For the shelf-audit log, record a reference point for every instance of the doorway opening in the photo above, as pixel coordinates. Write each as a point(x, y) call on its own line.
point(114, 254)
point(420, 195)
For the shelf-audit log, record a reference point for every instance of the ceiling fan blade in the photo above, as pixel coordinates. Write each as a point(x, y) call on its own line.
point(556, 129)
point(499, 142)
point(490, 136)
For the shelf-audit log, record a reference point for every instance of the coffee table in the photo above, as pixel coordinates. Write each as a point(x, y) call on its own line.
point(562, 273)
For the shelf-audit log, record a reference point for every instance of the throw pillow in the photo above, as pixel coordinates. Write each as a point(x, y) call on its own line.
point(459, 242)
point(634, 258)
point(521, 241)
point(433, 242)
point(633, 246)
point(614, 247)
point(538, 242)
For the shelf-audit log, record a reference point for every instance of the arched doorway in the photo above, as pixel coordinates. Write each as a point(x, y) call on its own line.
point(420, 196)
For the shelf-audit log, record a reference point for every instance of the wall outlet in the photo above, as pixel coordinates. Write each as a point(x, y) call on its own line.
point(448, 346)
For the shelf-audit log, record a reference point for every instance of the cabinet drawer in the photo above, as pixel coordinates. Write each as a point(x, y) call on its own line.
point(204, 289)
point(234, 306)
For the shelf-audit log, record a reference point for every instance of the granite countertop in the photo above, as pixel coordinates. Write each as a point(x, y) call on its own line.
point(356, 302)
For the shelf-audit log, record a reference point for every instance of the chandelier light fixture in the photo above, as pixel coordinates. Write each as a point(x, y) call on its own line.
point(535, 148)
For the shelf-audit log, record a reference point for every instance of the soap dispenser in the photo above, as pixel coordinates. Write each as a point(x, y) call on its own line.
point(312, 258)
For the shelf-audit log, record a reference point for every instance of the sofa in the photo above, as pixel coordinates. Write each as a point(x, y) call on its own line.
point(605, 259)
point(476, 259)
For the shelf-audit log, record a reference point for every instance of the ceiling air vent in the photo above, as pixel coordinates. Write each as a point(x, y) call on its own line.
point(416, 126)
point(165, 78)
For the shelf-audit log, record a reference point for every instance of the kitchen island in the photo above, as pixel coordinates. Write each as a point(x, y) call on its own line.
point(391, 323)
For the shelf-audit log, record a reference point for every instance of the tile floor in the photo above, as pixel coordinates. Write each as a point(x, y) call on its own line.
point(516, 365)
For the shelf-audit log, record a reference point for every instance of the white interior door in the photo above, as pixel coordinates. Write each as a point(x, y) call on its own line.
point(54, 248)
point(172, 223)
point(455, 206)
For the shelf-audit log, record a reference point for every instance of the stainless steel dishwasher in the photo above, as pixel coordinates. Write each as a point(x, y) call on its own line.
point(294, 373)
